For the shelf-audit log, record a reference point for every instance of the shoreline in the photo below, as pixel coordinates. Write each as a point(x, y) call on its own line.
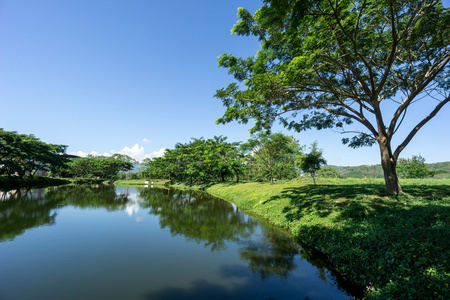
point(396, 248)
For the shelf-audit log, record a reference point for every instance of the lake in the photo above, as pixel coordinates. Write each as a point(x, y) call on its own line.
point(105, 242)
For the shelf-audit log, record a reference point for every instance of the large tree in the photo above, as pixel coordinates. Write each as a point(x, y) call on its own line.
point(25, 154)
point(334, 62)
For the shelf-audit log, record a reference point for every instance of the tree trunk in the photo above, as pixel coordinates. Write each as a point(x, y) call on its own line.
point(388, 163)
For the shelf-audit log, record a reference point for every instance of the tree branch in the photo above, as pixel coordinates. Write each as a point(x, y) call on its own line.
point(418, 126)
point(429, 76)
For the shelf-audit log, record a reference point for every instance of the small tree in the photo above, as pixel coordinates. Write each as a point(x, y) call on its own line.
point(312, 162)
point(413, 167)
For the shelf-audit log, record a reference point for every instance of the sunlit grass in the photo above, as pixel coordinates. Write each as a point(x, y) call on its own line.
point(140, 182)
point(397, 247)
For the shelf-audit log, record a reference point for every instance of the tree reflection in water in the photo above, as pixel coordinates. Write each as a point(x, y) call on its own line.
point(205, 219)
point(25, 209)
point(197, 216)
point(274, 257)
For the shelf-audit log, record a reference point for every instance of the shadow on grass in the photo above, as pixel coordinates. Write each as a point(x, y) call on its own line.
point(409, 234)
point(356, 200)
point(323, 200)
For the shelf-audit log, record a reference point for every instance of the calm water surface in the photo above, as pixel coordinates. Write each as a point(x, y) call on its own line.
point(145, 243)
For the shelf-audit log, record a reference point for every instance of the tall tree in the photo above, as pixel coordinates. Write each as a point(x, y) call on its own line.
point(270, 149)
point(340, 61)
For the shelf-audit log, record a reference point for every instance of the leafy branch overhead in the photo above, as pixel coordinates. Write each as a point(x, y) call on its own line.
point(329, 64)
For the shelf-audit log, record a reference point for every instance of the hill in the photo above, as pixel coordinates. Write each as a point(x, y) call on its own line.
point(375, 171)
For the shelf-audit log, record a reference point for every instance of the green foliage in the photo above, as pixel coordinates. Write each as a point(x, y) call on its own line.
point(198, 161)
point(327, 64)
point(413, 167)
point(328, 173)
point(24, 155)
point(272, 152)
point(396, 248)
point(363, 171)
point(440, 170)
point(127, 176)
point(105, 167)
point(311, 162)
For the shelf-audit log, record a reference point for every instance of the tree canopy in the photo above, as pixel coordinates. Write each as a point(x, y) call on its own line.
point(198, 161)
point(311, 162)
point(105, 167)
point(327, 64)
point(208, 160)
point(25, 154)
point(413, 167)
point(274, 150)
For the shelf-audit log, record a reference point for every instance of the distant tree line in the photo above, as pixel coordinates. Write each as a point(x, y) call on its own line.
point(263, 157)
point(103, 167)
point(198, 161)
point(414, 167)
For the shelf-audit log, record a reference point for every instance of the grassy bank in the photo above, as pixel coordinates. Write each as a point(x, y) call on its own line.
point(140, 182)
point(14, 182)
point(398, 248)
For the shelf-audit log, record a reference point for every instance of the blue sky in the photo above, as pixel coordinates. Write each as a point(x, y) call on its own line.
point(136, 77)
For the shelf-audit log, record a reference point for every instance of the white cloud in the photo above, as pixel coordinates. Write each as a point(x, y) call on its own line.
point(84, 154)
point(145, 140)
point(136, 152)
point(154, 154)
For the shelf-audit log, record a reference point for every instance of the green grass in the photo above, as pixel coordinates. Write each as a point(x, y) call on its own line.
point(140, 182)
point(397, 248)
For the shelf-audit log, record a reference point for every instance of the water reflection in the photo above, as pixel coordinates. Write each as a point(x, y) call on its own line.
point(272, 256)
point(213, 222)
point(21, 210)
point(238, 257)
point(197, 216)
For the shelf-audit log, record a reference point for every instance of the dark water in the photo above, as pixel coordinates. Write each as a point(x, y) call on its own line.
point(144, 243)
